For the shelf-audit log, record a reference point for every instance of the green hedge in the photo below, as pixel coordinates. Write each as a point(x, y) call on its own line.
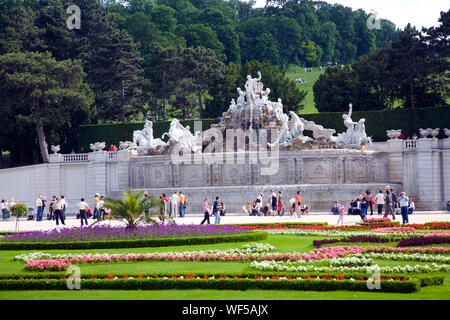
point(281, 223)
point(408, 286)
point(424, 279)
point(115, 244)
point(375, 223)
point(116, 132)
point(377, 122)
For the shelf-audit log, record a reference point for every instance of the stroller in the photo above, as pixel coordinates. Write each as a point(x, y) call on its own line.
point(31, 215)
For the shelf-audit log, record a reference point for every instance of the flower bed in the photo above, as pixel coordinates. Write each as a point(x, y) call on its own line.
point(423, 241)
point(289, 266)
point(106, 232)
point(111, 244)
point(354, 239)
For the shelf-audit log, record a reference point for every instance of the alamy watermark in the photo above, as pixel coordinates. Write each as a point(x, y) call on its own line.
point(373, 22)
point(73, 21)
point(373, 282)
point(74, 281)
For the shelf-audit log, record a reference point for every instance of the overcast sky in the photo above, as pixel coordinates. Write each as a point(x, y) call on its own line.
point(421, 13)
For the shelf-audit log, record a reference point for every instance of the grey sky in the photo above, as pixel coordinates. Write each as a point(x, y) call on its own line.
point(421, 13)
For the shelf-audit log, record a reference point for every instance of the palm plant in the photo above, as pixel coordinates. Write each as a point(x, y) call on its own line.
point(131, 209)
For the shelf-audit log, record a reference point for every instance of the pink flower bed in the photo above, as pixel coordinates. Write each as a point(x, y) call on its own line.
point(47, 265)
point(395, 230)
point(372, 220)
point(314, 255)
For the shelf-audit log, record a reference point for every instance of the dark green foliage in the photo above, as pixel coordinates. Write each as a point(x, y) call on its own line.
point(114, 244)
point(377, 122)
point(217, 284)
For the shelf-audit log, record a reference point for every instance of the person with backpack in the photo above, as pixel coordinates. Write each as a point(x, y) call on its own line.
point(182, 201)
point(216, 208)
point(273, 202)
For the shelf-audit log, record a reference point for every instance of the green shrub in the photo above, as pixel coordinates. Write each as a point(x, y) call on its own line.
point(408, 286)
point(141, 243)
point(423, 279)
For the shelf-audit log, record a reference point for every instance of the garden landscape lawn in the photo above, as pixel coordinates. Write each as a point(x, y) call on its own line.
point(310, 78)
point(283, 244)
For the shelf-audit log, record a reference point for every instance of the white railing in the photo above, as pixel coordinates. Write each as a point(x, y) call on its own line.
point(112, 155)
point(77, 157)
point(409, 145)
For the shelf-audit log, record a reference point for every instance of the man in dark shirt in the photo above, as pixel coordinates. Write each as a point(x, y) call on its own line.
point(216, 208)
point(364, 206)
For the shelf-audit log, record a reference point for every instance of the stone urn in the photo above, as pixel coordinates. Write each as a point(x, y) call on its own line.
point(447, 133)
point(55, 149)
point(425, 132)
point(393, 134)
point(434, 133)
point(98, 146)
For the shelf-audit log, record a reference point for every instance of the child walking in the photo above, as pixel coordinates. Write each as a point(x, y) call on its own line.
point(341, 214)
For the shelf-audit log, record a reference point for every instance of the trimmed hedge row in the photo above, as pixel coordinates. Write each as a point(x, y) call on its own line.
point(424, 279)
point(377, 122)
point(280, 223)
point(116, 132)
point(407, 286)
point(115, 244)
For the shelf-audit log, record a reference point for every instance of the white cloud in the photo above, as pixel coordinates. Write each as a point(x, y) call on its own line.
point(420, 13)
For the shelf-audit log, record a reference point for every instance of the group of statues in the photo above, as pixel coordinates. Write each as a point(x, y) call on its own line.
point(253, 110)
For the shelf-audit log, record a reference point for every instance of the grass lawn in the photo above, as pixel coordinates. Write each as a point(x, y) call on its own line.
point(310, 78)
point(285, 243)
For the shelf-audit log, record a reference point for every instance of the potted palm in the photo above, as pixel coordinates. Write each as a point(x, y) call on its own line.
point(132, 209)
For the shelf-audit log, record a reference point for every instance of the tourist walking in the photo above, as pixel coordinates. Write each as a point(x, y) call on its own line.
point(370, 201)
point(379, 200)
point(394, 202)
point(51, 203)
point(82, 208)
point(166, 204)
point(145, 196)
point(174, 202)
point(341, 214)
point(298, 203)
point(100, 211)
point(39, 208)
point(364, 205)
point(58, 212)
point(280, 204)
point(404, 204)
point(389, 205)
point(216, 208)
point(4, 207)
point(182, 201)
point(64, 206)
point(96, 200)
point(206, 212)
point(273, 200)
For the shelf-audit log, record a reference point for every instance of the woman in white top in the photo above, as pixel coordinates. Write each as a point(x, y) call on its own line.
point(380, 198)
point(100, 205)
point(82, 207)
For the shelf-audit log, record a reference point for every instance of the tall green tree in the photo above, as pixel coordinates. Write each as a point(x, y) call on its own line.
point(43, 92)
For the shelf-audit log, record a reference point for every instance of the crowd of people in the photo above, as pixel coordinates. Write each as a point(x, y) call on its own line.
point(388, 200)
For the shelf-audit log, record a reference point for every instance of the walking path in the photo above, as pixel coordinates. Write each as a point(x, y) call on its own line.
point(417, 217)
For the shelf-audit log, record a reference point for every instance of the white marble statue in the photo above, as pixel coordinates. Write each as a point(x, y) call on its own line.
point(241, 99)
point(278, 109)
point(264, 100)
point(297, 125)
point(447, 132)
point(285, 138)
point(356, 131)
point(124, 145)
point(233, 106)
point(143, 139)
point(182, 135)
point(393, 134)
point(252, 89)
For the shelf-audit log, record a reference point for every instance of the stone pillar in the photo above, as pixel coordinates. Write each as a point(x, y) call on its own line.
point(395, 149)
point(428, 182)
point(446, 170)
point(123, 165)
point(98, 172)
